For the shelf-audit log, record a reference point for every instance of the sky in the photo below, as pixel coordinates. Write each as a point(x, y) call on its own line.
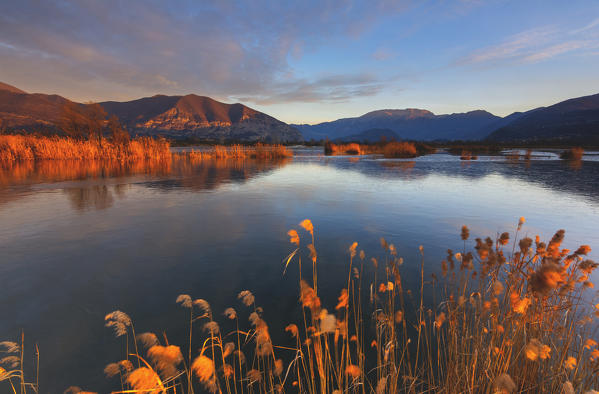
point(307, 61)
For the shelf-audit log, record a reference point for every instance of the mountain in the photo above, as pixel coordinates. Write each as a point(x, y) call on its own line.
point(20, 110)
point(200, 117)
point(411, 124)
point(575, 120)
point(371, 135)
point(169, 116)
point(9, 88)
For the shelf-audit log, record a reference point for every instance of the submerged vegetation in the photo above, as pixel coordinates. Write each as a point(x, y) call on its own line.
point(508, 316)
point(392, 149)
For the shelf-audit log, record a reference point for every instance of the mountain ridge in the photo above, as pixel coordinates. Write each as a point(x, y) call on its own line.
point(575, 119)
point(203, 118)
point(410, 123)
point(185, 116)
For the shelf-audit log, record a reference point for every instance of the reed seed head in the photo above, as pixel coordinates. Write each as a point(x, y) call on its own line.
point(166, 359)
point(246, 297)
point(203, 305)
point(306, 224)
point(10, 347)
point(145, 380)
point(184, 300)
point(111, 370)
point(504, 384)
point(293, 237)
point(147, 339)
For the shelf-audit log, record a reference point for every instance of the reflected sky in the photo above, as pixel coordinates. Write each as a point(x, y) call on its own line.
point(77, 245)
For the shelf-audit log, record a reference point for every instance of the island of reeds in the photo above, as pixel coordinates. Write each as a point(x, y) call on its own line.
point(514, 314)
point(389, 149)
point(257, 151)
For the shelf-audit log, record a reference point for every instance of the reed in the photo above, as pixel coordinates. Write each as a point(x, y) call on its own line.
point(467, 155)
point(512, 314)
point(28, 147)
point(572, 154)
point(400, 150)
point(391, 149)
point(258, 151)
point(331, 149)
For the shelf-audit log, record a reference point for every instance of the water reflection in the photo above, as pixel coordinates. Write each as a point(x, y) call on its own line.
point(567, 176)
point(97, 197)
point(47, 171)
point(19, 179)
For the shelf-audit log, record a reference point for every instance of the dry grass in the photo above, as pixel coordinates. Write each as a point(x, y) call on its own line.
point(572, 154)
point(27, 147)
point(467, 155)
point(258, 151)
point(391, 149)
point(331, 149)
point(400, 150)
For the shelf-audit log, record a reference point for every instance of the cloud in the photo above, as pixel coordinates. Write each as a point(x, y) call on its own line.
point(516, 46)
point(222, 48)
point(533, 46)
point(592, 25)
point(555, 50)
point(329, 89)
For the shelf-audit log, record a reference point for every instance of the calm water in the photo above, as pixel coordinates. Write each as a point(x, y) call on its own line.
point(78, 242)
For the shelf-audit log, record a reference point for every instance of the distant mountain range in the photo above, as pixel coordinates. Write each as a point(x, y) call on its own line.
point(571, 121)
point(575, 120)
point(171, 116)
point(410, 124)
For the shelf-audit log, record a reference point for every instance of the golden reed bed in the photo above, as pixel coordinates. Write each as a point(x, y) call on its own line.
point(258, 151)
point(391, 149)
point(27, 147)
point(507, 316)
point(15, 148)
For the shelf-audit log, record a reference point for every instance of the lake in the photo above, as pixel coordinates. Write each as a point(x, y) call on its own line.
point(78, 241)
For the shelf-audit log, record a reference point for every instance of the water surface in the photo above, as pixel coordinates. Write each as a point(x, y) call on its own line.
point(80, 240)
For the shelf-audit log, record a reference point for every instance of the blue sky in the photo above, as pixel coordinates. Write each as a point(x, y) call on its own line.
point(308, 61)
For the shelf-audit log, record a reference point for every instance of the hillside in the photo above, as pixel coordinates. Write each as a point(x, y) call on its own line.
point(200, 117)
point(411, 124)
point(169, 116)
point(20, 110)
point(10, 88)
point(574, 121)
